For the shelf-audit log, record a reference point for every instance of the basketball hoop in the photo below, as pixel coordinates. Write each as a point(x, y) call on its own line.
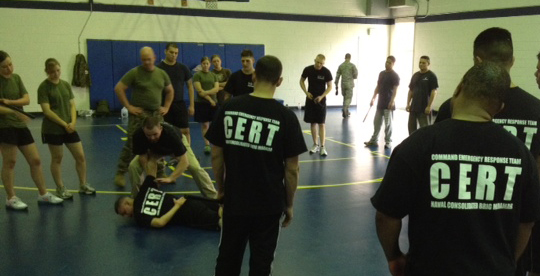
point(211, 4)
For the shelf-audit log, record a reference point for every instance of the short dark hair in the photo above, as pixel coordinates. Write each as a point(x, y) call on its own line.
point(426, 58)
point(392, 58)
point(495, 45)
point(268, 69)
point(50, 63)
point(205, 58)
point(347, 56)
point(152, 121)
point(171, 44)
point(215, 56)
point(119, 202)
point(486, 81)
point(247, 53)
point(3, 56)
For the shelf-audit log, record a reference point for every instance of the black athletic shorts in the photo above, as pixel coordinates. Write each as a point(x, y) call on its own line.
point(178, 115)
point(16, 136)
point(204, 112)
point(315, 113)
point(60, 139)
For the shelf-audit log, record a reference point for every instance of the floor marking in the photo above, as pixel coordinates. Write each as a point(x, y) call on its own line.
point(324, 160)
point(308, 132)
point(305, 187)
point(122, 129)
point(375, 153)
point(300, 187)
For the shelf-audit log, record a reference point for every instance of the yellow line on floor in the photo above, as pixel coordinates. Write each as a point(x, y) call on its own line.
point(121, 128)
point(300, 187)
point(376, 153)
point(378, 180)
point(325, 160)
point(308, 132)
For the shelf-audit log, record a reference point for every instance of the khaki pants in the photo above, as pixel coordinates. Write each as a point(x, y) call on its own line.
point(201, 177)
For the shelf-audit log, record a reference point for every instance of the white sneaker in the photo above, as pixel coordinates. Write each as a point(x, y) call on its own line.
point(323, 151)
point(16, 203)
point(49, 198)
point(314, 149)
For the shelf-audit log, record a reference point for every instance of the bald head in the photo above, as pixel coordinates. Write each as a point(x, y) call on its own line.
point(148, 58)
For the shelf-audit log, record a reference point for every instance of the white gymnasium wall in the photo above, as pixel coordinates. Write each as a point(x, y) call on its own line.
point(402, 48)
point(457, 6)
point(31, 36)
point(450, 43)
point(355, 8)
point(313, 7)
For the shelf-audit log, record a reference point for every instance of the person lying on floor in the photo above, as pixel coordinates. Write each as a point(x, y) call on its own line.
point(155, 208)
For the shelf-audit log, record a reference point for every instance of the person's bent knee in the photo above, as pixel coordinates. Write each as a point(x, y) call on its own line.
point(9, 163)
point(34, 162)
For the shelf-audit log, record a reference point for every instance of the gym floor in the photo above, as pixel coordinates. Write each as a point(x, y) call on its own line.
point(333, 231)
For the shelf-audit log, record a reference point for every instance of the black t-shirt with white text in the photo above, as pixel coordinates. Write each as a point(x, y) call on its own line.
point(421, 85)
point(152, 203)
point(239, 84)
point(317, 79)
point(386, 83)
point(466, 187)
point(179, 75)
point(520, 116)
point(257, 136)
point(169, 143)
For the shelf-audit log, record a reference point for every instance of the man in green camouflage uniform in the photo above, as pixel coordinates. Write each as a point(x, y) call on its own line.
point(348, 73)
point(148, 82)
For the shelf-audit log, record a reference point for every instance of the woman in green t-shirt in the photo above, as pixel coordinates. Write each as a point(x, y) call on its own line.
point(58, 127)
point(14, 135)
point(223, 75)
point(207, 86)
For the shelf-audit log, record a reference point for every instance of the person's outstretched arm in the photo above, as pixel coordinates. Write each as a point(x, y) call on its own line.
point(166, 218)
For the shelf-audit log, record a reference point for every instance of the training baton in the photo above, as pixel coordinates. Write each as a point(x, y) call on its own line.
point(18, 110)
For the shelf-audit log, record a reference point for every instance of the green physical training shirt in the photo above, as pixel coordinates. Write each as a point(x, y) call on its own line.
point(147, 86)
point(207, 80)
point(58, 97)
point(11, 89)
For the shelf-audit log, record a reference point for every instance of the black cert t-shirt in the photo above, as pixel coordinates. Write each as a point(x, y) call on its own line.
point(152, 203)
point(386, 83)
point(520, 116)
point(239, 84)
point(317, 79)
point(179, 75)
point(421, 85)
point(465, 186)
point(256, 135)
point(169, 143)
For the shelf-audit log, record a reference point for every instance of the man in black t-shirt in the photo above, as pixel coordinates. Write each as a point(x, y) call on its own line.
point(155, 208)
point(256, 142)
point(386, 89)
point(422, 92)
point(319, 85)
point(165, 140)
point(241, 81)
point(520, 116)
point(179, 75)
point(469, 187)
